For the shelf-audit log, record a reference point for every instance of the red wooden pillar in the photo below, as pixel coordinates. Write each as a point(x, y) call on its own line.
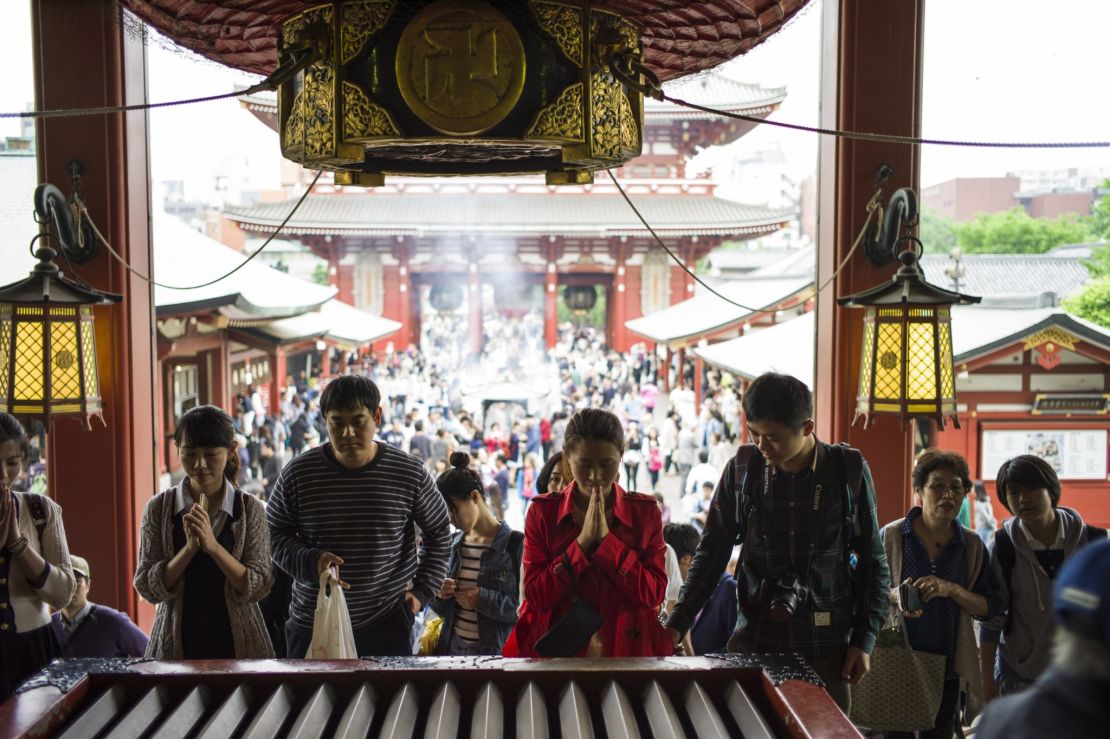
point(551, 306)
point(699, 370)
point(213, 366)
point(103, 478)
point(278, 370)
point(619, 307)
point(404, 301)
point(867, 47)
point(474, 308)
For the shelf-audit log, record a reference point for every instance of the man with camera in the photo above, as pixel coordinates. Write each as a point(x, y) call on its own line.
point(813, 575)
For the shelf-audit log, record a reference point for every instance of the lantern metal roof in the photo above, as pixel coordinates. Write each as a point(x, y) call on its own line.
point(679, 37)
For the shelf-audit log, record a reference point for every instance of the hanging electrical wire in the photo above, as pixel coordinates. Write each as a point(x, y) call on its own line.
point(80, 204)
point(626, 69)
point(873, 206)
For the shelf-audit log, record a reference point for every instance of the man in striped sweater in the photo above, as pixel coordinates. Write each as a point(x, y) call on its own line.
point(355, 503)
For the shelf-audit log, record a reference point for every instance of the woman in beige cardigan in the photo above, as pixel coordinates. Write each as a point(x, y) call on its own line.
point(35, 571)
point(204, 554)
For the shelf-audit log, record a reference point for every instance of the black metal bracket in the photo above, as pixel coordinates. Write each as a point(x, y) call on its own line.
point(880, 246)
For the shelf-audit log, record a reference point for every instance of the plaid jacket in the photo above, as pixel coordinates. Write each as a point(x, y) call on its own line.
point(840, 560)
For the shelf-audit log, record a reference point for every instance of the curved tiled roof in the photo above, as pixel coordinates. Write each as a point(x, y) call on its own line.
point(680, 37)
point(715, 90)
point(590, 214)
point(996, 275)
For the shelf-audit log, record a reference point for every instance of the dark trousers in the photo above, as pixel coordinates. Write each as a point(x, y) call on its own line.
point(389, 636)
point(945, 726)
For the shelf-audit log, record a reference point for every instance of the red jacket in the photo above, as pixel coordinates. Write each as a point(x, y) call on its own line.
point(625, 578)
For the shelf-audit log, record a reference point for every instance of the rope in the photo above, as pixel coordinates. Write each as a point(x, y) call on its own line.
point(874, 205)
point(890, 138)
point(255, 253)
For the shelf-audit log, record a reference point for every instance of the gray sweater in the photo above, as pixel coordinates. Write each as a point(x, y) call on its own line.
point(1028, 594)
point(251, 548)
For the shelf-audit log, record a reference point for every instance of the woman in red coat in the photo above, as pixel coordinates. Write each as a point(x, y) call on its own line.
point(594, 541)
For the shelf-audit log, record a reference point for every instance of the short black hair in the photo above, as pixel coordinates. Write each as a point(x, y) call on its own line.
point(209, 427)
point(349, 393)
point(1030, 472)
point(12, 430)
point(780, 399)
point(544, 478)
point(683, 538)
point(931, 460)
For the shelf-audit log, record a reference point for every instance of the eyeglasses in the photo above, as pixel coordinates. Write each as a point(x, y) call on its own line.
point(939, 488)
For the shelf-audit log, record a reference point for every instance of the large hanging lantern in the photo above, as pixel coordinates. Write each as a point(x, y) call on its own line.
point(47, 331)
point(459, 87)
point(906, 367)
point(446, 298)
point(581, 299)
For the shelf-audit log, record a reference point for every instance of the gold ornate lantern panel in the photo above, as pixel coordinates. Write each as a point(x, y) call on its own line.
point(458, 87)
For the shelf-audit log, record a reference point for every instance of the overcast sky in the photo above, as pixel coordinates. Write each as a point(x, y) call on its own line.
point(995, 70)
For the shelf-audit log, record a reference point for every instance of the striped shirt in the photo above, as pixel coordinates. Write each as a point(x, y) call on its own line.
point(367, 516)
point(470, 559)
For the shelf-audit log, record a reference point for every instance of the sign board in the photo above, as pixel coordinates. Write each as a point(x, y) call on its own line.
point(1075, 455)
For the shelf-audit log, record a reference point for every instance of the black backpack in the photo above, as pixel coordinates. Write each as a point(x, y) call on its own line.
point(1007, 559)
point(850, 462)
point(38, 512)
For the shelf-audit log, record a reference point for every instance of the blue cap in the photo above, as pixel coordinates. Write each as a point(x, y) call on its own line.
point(1081, 600)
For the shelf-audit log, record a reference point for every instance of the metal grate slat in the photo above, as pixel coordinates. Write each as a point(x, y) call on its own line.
point(703, 714)
point(488, 720)
point(747, 716)
point(270, 718)
point(661, 715)
point(97, 716)
point(187, 715)
point(400, 720)
point(356, 720)
point(143, 715)
point(315, 715)
point(443, 718)
point(531, 714)
point(616, 711)
point(574, 713)
point(229, 715)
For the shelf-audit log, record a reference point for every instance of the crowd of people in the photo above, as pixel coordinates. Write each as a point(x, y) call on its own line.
point(413, 526)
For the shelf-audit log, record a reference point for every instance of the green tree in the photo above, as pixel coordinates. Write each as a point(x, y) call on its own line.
point(936, 232)
point(1099, 263)
point(1100, 214)
point(320, 273)
point(1092, 302)
point(1015, 232)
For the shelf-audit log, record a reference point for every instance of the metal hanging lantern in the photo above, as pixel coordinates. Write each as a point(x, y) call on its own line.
point(906, 367)
point(47, 330)
point(445, 298)
point(460, 87)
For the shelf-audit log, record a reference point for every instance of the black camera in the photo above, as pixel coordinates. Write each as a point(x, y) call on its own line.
point(783, 596)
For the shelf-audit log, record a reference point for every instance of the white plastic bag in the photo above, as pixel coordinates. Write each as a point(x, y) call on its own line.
point(332, 635)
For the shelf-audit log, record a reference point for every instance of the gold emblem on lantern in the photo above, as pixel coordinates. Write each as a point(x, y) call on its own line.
point(460, 66)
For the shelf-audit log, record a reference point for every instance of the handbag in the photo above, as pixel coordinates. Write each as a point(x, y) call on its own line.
point(574, 629)
point(903, 689)
point(332, 634)
point(429, 637)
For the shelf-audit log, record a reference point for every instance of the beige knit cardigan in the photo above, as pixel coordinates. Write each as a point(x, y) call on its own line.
point(251, 547)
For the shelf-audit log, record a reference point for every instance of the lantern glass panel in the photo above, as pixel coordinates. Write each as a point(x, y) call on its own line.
point(28, 360)
point(868, 349)
point(65, 370)
point(921, 362)
point(88, 351)
point(888, 359)
point(5, 348)
point(947, 385)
